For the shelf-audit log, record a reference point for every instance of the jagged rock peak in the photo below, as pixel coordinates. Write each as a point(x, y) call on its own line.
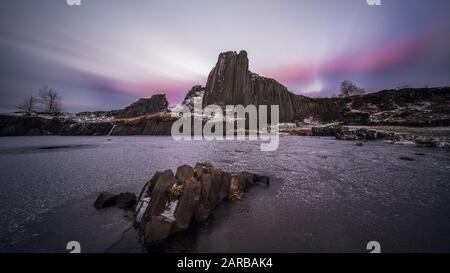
point(196, 93)
point(228, 79)
point(157, 103)
point(231, 83)
point(231, 54)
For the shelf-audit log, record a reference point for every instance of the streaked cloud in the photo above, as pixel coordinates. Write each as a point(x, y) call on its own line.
point(105, 54)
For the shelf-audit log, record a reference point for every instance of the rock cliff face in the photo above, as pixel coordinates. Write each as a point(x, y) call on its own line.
point(231, 83)
point(29, 126)
point(156, 124)
point(157, 103)
point(405, 107)
point(197, 92)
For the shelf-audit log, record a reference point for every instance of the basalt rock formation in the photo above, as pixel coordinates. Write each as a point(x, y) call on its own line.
point(157, 103)
point(156, 124)
point(231, 83)
point(195, 94)
point(170, 203)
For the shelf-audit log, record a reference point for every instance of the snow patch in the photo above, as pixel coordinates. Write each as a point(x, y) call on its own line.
point(169, 213)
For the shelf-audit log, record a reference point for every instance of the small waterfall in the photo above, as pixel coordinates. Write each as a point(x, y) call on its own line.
point(112, 129)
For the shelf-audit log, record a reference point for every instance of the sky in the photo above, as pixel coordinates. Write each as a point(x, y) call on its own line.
point(105, 54)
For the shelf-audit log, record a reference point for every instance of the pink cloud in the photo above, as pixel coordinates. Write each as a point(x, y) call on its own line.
point(175, 90)
point(369, 60)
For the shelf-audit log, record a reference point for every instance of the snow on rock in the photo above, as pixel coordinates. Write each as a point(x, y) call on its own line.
point(169, 213)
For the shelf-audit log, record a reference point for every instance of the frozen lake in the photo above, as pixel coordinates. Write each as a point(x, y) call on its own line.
point(325, 195)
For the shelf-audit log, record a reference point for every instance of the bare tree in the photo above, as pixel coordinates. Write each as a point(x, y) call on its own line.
point(28, 105)
point(50, 100)
point(349, 89)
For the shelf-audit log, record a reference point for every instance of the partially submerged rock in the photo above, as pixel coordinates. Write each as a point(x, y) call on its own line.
point(122, 201)
point(126, 200)
point(104, 200)
point(169, 203)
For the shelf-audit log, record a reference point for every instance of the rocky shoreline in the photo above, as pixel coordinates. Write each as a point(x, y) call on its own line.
point(160, 124)
point(438, 137)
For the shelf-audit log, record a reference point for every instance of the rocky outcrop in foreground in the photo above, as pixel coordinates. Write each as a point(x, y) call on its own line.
point(170, 203)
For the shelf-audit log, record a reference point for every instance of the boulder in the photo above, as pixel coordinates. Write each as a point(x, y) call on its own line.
point(187, 204)
point(105, 199)
point(238, 185)
point(202, 168)
point(159, 193)
point(155, 207)
point(225, 186)
point(184, 173)
point(169, 203)
point(156, 230)
point(126, 200)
